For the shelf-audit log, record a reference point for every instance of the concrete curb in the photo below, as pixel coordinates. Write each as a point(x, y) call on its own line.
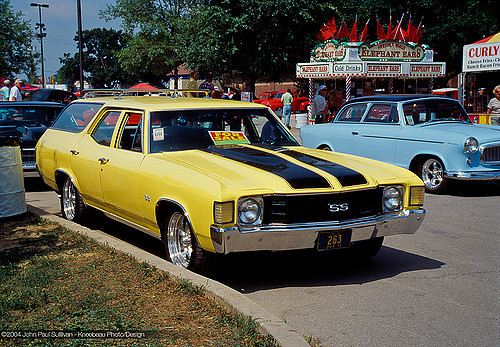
point(227, 297)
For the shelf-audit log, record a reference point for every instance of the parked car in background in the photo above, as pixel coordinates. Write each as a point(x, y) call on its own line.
point(211, 176)
point(30, 119)
point(429, 135)
point(264, 97)
point(298, 104)
point(54, 95)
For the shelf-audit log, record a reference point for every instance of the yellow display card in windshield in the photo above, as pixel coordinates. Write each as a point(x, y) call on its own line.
point(228, 137)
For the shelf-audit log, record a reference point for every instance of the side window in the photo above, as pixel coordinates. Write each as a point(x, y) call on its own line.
point(131, 136)
point(76, 116)
point(382, 114)
point(104, 131)
point(352, 113)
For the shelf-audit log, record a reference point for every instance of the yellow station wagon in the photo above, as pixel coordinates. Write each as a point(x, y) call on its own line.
point(215, 176)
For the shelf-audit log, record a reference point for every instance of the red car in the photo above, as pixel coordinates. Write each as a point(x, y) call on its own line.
point(264, 97)
point(298, 104)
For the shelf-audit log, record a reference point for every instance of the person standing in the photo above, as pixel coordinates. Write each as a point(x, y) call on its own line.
point(193, 83)
point(208, 85)
point(287, 100)
point(319, 107)
point(15, 92)
point(5, 91)
point(335, 101)
point(493, 111)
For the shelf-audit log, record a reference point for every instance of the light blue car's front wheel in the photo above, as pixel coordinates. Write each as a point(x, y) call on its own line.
point(431, 171)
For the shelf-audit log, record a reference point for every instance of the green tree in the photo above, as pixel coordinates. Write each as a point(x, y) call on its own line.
point(15, 42)
point(153, 26)
point(100, 60)
point(255, 38)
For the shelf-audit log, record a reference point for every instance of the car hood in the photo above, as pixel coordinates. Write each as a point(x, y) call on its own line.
point(483, 134)
point(290, 169)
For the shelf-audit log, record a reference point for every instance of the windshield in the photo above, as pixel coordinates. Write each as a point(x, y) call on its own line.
point(198, 129)
point(38, 114)
point(423, 111)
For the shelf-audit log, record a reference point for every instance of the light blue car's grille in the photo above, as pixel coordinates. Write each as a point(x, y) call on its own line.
point(491, 154)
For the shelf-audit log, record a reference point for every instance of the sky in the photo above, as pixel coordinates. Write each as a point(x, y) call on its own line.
point(61, 22)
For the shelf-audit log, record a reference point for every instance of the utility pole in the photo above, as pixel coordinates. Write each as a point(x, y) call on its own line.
point(80, 47)
point(41, 26)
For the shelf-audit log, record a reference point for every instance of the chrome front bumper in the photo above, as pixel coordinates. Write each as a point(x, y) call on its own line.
point(304, 236)
point(474, 175)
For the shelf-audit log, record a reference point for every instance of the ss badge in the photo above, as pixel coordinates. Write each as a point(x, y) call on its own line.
point(338, 207)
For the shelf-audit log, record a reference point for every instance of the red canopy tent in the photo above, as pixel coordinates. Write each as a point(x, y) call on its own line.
point(28, 87)
point(142, 86)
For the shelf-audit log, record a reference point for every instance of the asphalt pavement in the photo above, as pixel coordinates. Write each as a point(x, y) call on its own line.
point(438, 287)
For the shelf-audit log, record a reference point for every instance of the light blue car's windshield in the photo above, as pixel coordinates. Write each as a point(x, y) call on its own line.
point(423, 111)
point(194, 129)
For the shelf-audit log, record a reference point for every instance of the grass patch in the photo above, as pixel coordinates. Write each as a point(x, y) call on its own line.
point(53, 279)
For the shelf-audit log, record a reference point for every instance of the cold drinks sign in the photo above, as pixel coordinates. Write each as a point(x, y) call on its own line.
point(481, 57)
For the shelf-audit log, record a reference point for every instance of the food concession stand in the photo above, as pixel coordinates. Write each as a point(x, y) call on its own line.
point(383, 63)
point(479, 57)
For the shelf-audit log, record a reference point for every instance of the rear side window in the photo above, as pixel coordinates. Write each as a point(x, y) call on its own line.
point(351, 113)
point(76, 116)
point(104, 131)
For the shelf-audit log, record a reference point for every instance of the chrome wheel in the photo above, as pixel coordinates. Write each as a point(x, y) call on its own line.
point(69, 196)
point(179, 242)
point(432, 173)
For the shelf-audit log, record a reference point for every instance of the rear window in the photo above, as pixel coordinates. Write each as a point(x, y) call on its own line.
point(76, 116)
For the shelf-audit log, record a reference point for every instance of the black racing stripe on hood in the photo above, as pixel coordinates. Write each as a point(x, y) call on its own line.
point(297, 176)
point(346, 176)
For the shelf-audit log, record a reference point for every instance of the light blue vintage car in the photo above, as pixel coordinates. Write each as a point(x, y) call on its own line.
point(429, 135)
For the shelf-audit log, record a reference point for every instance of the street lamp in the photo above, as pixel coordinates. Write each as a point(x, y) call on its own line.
point(41, 26)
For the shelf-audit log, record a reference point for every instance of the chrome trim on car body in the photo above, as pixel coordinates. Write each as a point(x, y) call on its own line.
point(473, 175)
point(304, 236)
point(497, 154)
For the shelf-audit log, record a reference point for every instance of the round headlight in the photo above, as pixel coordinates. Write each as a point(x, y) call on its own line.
point(249, 211)
point(471, 145)
point(393, 198)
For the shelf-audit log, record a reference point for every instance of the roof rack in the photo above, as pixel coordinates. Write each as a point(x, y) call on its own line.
point(118, 93)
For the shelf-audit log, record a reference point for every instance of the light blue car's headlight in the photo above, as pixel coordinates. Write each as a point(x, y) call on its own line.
point(471, 145)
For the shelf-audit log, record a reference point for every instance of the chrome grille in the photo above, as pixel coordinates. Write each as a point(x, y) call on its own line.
point(491, 154)
point(28, 155)
point(310, 208)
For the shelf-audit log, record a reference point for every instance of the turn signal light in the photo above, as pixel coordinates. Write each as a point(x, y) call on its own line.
point(224, 212)
point(417, 196)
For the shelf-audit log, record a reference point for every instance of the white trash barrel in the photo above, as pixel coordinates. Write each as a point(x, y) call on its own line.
point(300, 120)
point(12, 195)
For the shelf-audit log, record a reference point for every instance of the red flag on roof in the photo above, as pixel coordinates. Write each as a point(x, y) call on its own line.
point(411, 31)
point(343, 32)
point(354, 38)
point(364, 33)
point(380, 31)
point(328, 30)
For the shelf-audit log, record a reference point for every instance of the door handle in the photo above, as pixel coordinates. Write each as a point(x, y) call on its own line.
point(73, 152)
point(355, 133)
point(103, 160)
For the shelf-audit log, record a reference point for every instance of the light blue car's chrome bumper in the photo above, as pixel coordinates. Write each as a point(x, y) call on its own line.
point(474, 175)
point(304, 236)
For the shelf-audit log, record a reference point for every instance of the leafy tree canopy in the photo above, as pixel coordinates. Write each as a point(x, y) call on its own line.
point(153, 26)
point(100, 60)
point(15, 42)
